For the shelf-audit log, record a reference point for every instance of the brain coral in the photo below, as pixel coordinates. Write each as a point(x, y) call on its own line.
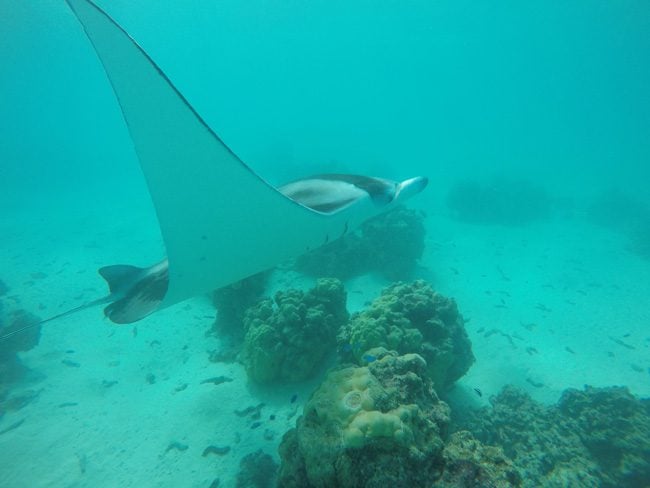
point(412, 318)
point(287, 338)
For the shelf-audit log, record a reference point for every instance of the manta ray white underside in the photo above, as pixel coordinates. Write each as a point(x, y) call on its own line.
point(220, 221)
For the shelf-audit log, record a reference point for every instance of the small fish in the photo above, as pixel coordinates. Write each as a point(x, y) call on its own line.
point(478, 392)
point(347, 347)
point(12, 427)
point(637, 368)
point(255, 425)
point(253, 411)
point(621, 343)
point(504, 277)
point(217, 380)
point(294, 397)
point(369, 358)
point(531, 350)
point(536, 384)
point(219, 451)
point(569, 350)
point(178, 446)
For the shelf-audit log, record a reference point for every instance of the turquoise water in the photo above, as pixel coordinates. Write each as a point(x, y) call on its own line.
point(541, 110)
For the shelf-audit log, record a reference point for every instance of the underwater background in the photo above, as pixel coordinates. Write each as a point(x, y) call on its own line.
point(532, 122)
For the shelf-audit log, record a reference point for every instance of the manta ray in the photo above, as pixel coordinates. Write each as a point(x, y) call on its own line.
point(220, 221)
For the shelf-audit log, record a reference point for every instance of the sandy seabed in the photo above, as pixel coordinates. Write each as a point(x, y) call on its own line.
point(547, 306)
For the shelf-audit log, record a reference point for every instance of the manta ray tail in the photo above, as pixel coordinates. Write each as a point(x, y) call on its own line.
point(58, 316)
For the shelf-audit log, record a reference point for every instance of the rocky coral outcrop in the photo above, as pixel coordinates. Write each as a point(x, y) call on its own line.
point(390, 244)
point(288, 337)
point(470, 464)
point(546, 449)
point(12, 369)
point(232, 301)
point(412, 318)
point(599, 437)
point(614, 426)
point(257, 470)
point(378, 425)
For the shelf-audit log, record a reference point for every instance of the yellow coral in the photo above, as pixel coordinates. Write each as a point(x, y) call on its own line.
point(345, 394)
point(374, 424)
point(346, 400)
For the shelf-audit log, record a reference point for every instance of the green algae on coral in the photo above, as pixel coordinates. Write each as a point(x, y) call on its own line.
point(287, 338)
point(412, 318)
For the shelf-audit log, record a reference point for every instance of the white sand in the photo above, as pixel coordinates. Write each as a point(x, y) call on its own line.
point(117, 436)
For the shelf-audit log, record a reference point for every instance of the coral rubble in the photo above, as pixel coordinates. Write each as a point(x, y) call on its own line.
point(287, 338)
point(412, 318)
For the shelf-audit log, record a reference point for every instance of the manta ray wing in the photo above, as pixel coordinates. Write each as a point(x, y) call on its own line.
point(220, 221)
